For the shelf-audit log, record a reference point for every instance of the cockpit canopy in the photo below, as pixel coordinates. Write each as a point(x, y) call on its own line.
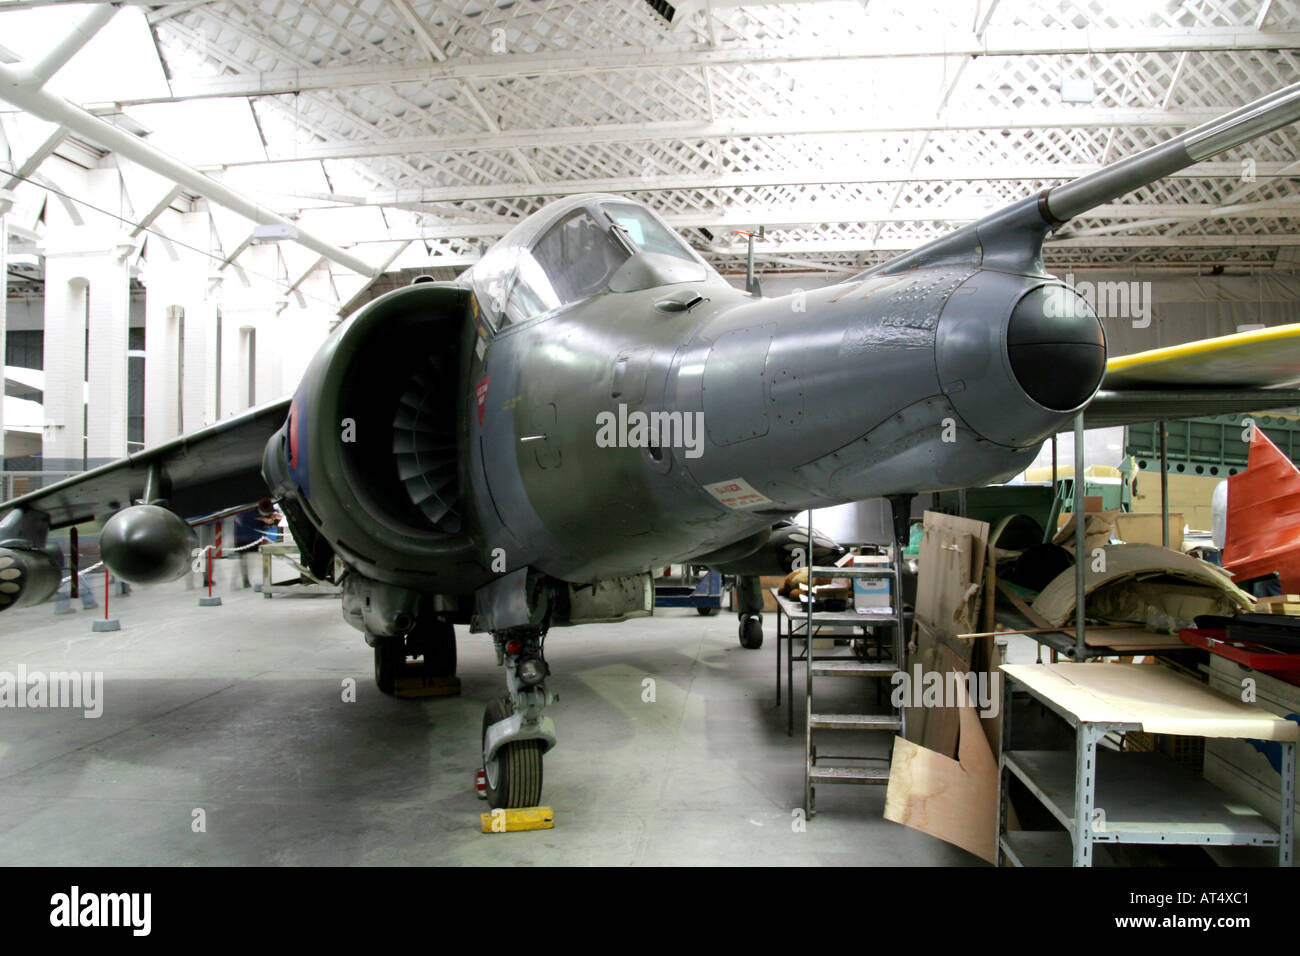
point(573, 251)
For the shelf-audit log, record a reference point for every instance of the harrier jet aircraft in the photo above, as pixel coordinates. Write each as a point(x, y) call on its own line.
point(514, 449)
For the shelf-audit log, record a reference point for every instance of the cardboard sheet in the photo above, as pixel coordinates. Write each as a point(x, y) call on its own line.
point(1097, 530)
point(1156, 698)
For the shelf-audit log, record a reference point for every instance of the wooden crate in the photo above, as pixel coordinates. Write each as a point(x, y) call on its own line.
point(1279, 604)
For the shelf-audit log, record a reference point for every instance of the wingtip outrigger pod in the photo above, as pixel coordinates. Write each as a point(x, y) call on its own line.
point(1012, 237)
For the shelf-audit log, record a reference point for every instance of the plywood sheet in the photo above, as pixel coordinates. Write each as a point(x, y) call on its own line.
point(1155, 698)
point(953, 800)
point(949, 590)
point(935, 728)
point(1132, 639)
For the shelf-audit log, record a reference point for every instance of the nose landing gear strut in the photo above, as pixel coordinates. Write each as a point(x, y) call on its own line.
point(515, 732)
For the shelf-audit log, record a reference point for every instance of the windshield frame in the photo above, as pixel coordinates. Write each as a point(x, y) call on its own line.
point(494, 277)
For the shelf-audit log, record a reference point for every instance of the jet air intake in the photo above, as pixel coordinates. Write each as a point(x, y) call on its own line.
point(1017, 355)
point(147, 544)
point(1056, 347)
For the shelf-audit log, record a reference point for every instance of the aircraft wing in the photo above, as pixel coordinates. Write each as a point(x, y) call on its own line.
point(209, 469)
point(1246, 372)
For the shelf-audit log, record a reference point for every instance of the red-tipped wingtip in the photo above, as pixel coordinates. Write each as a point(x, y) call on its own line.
point(1263, 530)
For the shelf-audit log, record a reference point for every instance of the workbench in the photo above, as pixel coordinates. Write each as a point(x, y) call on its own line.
point(289, 553)
point(1104, 796)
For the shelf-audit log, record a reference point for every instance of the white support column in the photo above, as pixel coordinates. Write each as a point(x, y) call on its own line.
point(66, 293)
point(201, 361)
point(87, 316)
point(177, 315)
point(164, 320)
point(109, 323)
point(248, 316)
point(201, 353)
point(300, 330)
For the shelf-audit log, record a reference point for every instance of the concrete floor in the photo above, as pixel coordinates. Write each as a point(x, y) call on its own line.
point(238, 711)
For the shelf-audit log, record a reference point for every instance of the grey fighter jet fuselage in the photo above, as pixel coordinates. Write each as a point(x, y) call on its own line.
point(664, 416)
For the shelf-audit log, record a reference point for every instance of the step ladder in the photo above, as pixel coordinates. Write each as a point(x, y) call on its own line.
point(841, 768)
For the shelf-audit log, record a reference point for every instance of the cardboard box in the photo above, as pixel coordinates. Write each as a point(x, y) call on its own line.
point(1188, 494)
point(871, 593)
point(1144, 528)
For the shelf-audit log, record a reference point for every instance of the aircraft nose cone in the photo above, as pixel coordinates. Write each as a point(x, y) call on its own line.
point(1057, 347)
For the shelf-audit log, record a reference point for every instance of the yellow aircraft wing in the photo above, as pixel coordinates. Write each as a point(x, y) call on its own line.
point(1246, 372)
point(1263, 358)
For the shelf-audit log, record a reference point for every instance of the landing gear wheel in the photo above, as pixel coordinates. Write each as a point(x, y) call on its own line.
point(436, 643)
point(390, 660)
point(706, 611)
point(751, 632)
point(514, 775)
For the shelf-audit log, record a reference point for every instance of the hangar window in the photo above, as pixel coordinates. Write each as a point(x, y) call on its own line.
point(572, 261)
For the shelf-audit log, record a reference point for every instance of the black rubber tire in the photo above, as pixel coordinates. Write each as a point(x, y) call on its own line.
point(751, 632)
point(706, 611)
point(436, 643)
point(390, 660)
point(515, 779)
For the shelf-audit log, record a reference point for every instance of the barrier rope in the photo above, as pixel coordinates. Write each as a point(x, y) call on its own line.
point(201, 551)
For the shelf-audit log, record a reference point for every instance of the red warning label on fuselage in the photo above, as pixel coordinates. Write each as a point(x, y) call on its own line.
point(737, 493)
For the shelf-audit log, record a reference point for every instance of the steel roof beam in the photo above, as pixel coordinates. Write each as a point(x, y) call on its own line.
point(818, 246)
point(1018, 172)
point(67, 46)
point(16, 87)
point(993, 43)
point(723, 129)
point(38, 156)
point(1140, 217)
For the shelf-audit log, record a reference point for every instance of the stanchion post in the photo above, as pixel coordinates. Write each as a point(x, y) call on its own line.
point(107, 623)
point(212, 600)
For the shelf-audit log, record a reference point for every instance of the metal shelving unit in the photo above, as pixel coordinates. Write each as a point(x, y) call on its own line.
point(1104, 796)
